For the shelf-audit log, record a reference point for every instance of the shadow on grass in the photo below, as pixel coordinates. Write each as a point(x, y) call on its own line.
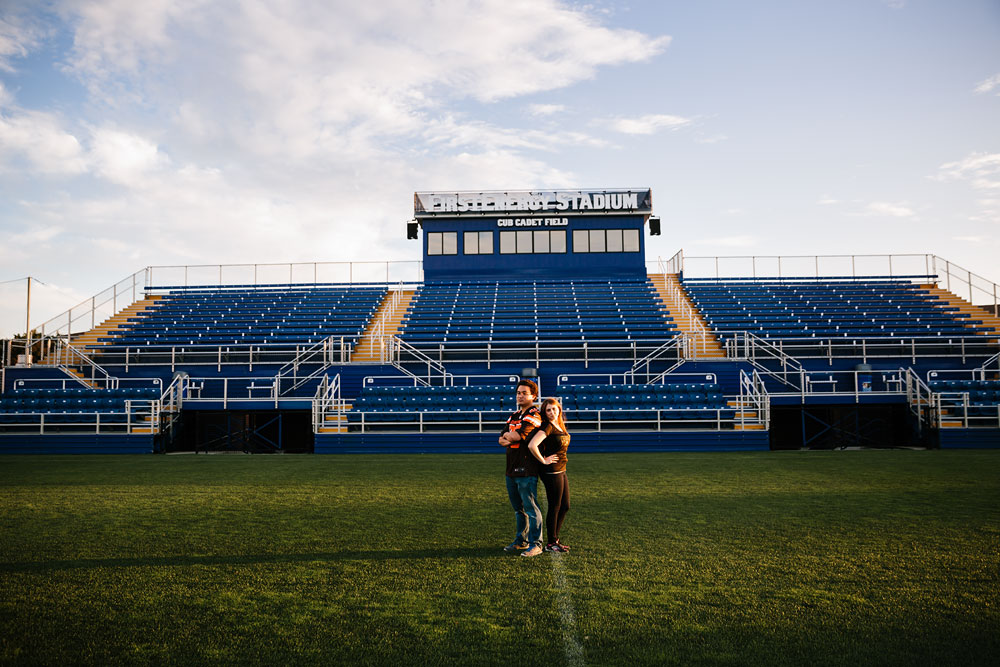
point(251, 559)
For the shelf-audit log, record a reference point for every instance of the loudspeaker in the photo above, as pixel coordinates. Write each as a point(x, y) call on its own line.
point(654, 226)
point(411, 230)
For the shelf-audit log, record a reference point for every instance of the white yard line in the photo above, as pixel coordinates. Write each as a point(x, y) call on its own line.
point(567, 614)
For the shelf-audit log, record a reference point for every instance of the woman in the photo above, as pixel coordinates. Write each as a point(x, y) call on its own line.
point(549, 445)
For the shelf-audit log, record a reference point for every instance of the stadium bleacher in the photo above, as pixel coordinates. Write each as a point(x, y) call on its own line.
point(265, 315)
point(508, 288)
point(827, 308)
point(544, 311)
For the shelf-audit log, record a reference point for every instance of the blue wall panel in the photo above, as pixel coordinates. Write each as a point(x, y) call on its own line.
point(117, 443)
point(969, 438)
point(474, 443)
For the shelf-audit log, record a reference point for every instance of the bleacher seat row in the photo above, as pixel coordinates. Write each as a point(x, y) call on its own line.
point(251, 316)
point(543, 311)
point(825, 309)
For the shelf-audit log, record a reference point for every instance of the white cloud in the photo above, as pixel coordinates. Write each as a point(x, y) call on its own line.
point(981, 170)
point(37, 139)
point(454, 133)
point(895, 4)
point(987, 85)
point(714, 139)
point(969, 239)
point(339, 76)
point(17, 38)
point(648, 124)
point(124, 158)
point(827, 200)
point(545, 109)
point(897, 210)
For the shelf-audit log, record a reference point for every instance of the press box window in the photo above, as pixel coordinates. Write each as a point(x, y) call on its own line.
point(533, 242)
point(478, 243)
point(630, 240)
point(442, 243)
point(605, 240)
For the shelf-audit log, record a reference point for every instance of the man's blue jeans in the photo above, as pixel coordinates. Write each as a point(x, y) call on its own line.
point(523, 492)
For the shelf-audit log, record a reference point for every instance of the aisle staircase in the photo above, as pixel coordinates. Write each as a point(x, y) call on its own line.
point(990, 323)
point(751, 416)
point(110, 326)
point(686, 317)
point(335, 422)
point(385, 323)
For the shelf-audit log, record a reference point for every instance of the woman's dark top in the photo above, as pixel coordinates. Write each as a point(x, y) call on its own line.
point(556, 443)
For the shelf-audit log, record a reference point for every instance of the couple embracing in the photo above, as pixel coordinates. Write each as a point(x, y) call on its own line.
point(536, 444)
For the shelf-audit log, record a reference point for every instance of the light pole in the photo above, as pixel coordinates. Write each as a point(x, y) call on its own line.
point(27, 327)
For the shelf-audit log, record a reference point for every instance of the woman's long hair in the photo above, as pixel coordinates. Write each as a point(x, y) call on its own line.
point(560, 420)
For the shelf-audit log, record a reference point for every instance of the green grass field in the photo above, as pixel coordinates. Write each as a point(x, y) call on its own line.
point(797, 558)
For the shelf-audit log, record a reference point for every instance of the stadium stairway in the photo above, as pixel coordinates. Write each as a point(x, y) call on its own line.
point(109, 327)
point(686, 316)
point(990, 324)
point(335, 422)
point(386, 322)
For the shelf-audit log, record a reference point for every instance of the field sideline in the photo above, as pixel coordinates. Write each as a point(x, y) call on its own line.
point(797, 558)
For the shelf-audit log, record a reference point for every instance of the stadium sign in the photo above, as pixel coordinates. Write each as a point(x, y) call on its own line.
point(566, 202)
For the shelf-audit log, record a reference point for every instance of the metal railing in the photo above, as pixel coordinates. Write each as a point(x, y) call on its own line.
point(569, 379)
point(954, 409)
point(535, 352)
point(185, 356)
point(401, 352)
point(754, 397)
point(108, 302)
point(865, 349)
point(89, 313)
point(671, 352)
point(582, 420)
point(955, 279)
point(139, 416)
point(321, 356)
point(66, 356)
point(378, 335)
point(759, 352)
point(328, 401)
point(921, 400)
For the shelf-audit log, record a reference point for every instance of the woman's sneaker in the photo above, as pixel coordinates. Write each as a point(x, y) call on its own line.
point(515, 546)
point(555, 547)
point(562, 547)
point(533, 551)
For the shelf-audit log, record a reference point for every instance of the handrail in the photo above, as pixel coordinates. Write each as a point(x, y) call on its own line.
point(921, 400)
point(326, 398)
point(66, 355)
point(325, 349)
point(656, 355)
point(173, 396)
point(754, 392)
point(397, 346)
point(690, 316)
point(378, 331)
point(748, 346)
point(85, 313)
point(992, 361)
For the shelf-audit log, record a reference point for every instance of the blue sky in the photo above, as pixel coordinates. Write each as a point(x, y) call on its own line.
point(204, 132)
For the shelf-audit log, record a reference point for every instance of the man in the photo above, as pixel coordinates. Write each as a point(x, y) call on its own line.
point(522, 471)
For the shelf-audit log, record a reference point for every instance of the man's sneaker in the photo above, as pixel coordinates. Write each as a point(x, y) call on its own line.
point(555, 547)
point(515, 546)
point(533, 551)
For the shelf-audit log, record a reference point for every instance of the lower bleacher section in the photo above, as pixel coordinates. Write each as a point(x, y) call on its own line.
point(589, 407)
point(76, 409)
